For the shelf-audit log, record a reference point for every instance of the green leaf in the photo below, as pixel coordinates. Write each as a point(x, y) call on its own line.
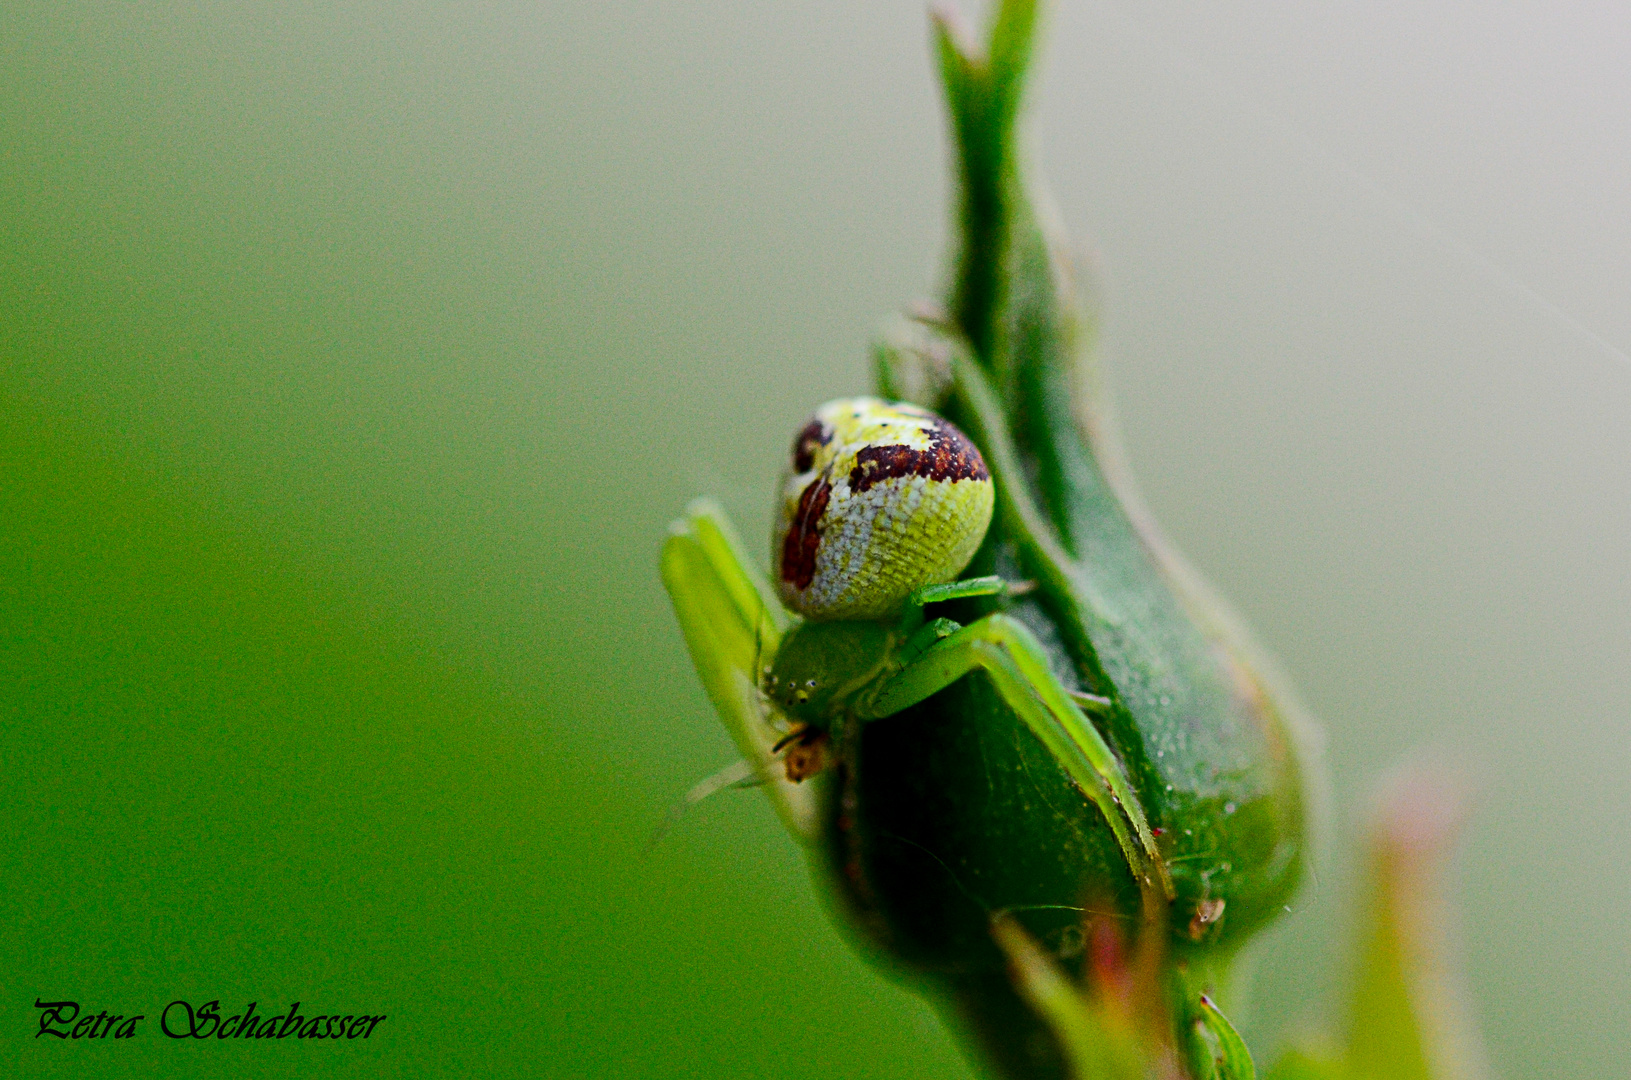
point(1216, 1050)
point(1013, 39)
point(1095, 1044)
point(1407, 1021)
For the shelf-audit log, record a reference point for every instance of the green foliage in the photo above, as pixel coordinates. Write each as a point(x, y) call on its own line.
point(1216, 1051)
point(1405, 1020)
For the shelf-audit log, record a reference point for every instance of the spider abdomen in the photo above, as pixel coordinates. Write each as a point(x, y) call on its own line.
point(881, 498)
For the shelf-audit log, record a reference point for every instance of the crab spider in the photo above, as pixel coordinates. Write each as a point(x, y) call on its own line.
point(883, 506)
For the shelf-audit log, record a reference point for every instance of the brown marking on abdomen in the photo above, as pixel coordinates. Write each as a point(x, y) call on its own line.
point(804, 535)
point(950, 457)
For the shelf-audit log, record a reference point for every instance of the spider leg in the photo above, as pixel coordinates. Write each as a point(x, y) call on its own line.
point(730, 617)
point(1012, 657)
point(911, 617)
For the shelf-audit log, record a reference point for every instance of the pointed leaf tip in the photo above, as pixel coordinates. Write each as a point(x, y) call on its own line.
point(1219, 1045)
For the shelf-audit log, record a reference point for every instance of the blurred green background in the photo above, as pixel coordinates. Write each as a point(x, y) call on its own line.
point(354, 356)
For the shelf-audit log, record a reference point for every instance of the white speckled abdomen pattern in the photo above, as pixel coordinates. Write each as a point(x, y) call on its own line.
point(881, 499)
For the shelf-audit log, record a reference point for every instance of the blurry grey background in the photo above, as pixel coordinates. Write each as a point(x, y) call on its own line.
point(442, 311)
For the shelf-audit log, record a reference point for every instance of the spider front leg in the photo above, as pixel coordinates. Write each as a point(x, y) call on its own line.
point(1012, 657)
point(733, 626)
